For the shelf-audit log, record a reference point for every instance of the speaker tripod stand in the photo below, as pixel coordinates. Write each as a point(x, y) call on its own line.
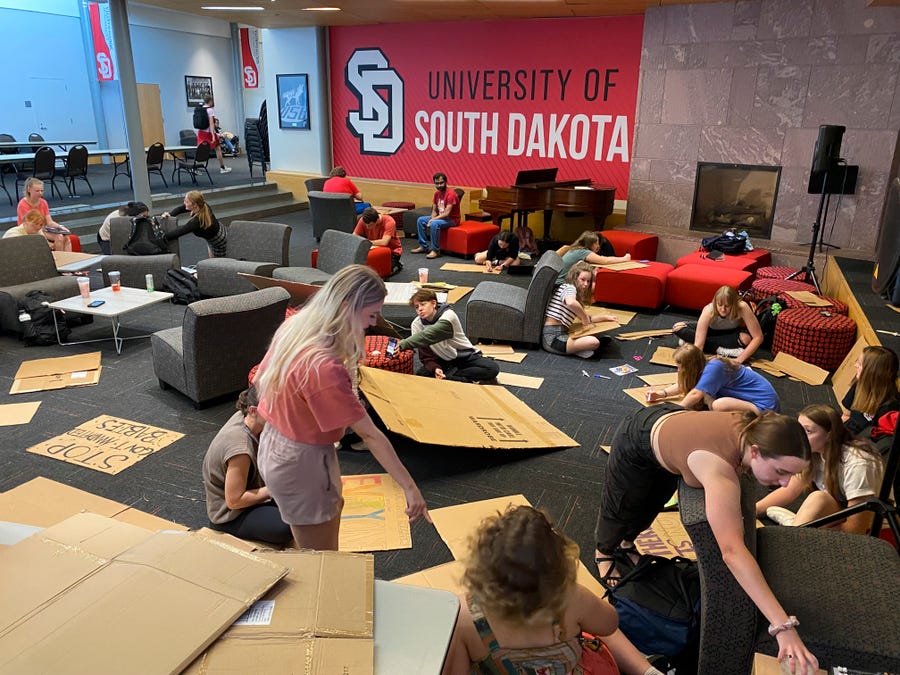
point(809, 268)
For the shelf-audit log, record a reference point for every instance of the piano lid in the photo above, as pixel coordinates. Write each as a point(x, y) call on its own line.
point(531, 176)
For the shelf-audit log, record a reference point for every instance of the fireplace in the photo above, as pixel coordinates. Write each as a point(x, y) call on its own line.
point(741, 196)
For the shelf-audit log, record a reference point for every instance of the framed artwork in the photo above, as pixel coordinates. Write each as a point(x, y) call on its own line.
point(196, 87)
point(293, 101)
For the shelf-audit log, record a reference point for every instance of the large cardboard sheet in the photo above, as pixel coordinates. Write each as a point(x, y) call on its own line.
point(57, 373)
point(639, 394)
point(803, 371)
point(373, 517)
point(12, 414)
point(457, 413)
point(467, 267)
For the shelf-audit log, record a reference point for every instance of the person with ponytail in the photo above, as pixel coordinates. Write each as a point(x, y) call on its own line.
point(203, 223)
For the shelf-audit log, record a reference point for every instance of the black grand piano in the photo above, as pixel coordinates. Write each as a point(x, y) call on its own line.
point(538, 190)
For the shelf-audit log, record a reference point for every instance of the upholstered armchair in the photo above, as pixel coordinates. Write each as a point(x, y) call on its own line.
point(335, 252)
point(842, 587)
point(499, 311)
point(135, 268)
point(331, 211)
point(219, 340)
point(253, 247)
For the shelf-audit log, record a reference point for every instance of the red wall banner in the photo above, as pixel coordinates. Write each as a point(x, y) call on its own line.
point(101, 33)
point(481, 101)
point(249, 57)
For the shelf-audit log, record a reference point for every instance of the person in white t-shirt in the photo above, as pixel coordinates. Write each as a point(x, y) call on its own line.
point(128, 210)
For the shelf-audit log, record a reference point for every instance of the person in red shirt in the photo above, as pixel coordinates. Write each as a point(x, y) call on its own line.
point(338, 182)
point(444, 214)
point(381, 231)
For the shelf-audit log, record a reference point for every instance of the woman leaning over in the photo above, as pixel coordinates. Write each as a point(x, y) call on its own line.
point(307, 388)
point(727, 327)
point(203, 223)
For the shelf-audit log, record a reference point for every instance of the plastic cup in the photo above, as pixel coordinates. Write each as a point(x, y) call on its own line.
point(84, 288)
point(423, 275)
point(114, 281)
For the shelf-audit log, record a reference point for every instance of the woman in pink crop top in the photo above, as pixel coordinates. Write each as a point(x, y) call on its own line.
point(307, 393)
point(656, 446)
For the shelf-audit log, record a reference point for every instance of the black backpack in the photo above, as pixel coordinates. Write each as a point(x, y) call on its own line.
point(766, 312)
point(182, 286)
point(38, 330)
point(201, 118)
point(147, 237)
point(727, 242)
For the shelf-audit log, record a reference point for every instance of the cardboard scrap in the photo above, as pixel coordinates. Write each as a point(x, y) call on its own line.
point(57, 373)
point(492, 350)
point(454, 295)
point(319, 619)
point(509, 358)
point(893, 307)
point(467, 267)
point(845, 374)
point(92, 594)
point(106, 444)
point(803, 371)
point(627, 265)
point(639, 394)
point(666, 537)
point(457, 413)
point(43, 502)
point(622, 316)
point(660, 379)
point(663, 357)
point(769, 665)
point(12, 414)
point(373, 517)
point(767, 367)
point(579, 330)
point(809, 298)
point(300, 293)
point(514, 380)
point(637, 335)
point(447, 577)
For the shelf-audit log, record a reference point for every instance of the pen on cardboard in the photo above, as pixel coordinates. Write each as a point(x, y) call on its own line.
point(605, 377)
point(585, 373)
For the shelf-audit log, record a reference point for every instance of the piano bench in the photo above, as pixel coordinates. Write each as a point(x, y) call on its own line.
point(468, 238)
point(640, 287)
point(750, 260)
point(693, 286)
point(640, 245)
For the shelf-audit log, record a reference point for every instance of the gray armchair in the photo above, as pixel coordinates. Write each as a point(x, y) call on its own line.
point(331, 211)
point(337, 250)
point(26, 264)
point(842, 587)
point(499, 311)
point(252, 247)
point(134, 268)
point(219, 341)
point(315, 184)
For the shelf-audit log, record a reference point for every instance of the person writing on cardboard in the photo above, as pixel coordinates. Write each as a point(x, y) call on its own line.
point(381, 230)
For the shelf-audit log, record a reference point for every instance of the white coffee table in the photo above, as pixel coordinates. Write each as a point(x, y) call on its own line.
point(399, 293)
point(116, 304)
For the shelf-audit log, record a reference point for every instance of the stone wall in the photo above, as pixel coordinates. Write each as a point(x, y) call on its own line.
point(750, 82)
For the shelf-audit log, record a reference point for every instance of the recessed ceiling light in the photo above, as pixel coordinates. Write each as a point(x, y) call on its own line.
point(234, 9)
point(321, 9)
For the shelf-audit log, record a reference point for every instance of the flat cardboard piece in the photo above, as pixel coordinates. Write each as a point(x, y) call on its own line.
point(660, 379)
point(803, 371)
point(767, 367)
point(318, 619)
point(457, 413)
point(373, 517)
point(893, 307)
point(106, 444)
point(663, 357)
point(454, 293)
point(446, 577)
point(457, 523)
point(809, 298)
point(12, 414)
point(63, 258)
point(514, 380)
point(666, 537)
point(92, 594)
point(639, 394)
point(627, 265)
point(300, 293)
point(467, 267)
point(845, 374)
point(492, 350)
point(622, 316)
point(43, 502)
point(637, 335)
point(57, 373)
point(769, 665)
point(509, 358)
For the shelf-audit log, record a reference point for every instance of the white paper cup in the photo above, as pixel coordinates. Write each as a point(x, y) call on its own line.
point(423, 275)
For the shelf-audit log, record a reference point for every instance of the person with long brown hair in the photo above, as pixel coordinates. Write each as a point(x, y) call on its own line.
point(591, 247)
point(568, 303)
point(844, 471)
point(873, 396)
point(202, 223)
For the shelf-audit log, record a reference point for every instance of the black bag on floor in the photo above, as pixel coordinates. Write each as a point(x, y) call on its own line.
point(38, 329)
point(148, 237)
point(767, 311)
point(182, 286)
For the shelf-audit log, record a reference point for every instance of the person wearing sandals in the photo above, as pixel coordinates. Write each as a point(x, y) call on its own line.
point(719, 384)
point(727, 327)
point(844, 471)
point(655, 447)
point(521, 589)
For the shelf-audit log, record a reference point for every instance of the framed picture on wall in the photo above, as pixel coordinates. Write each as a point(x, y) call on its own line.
point(293, 101)
point(196, 87)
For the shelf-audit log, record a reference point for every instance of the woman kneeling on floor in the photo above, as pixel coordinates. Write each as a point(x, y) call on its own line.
point(444, 349)
point(567, 304)
point(727, 327)
point(720, 384)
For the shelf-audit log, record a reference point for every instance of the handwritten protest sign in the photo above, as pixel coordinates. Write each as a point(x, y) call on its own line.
point(373, 517)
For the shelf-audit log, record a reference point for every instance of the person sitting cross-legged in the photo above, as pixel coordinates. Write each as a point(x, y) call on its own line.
point(502, 253)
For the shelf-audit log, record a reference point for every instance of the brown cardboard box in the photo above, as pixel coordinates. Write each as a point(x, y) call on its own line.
point(317, 620)
point(65, 371)
point(768, 665)
point(93, 595)
point(457, 413)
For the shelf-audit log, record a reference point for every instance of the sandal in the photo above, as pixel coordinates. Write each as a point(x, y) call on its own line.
point(610, 578)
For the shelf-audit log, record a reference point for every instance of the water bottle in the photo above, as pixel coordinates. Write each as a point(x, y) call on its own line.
point(149, 280)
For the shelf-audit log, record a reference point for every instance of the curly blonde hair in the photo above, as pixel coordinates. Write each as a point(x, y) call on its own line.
point(521, 568)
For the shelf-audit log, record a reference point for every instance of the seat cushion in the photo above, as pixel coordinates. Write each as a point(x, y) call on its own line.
point(778, 273)
point(763, 288)
point(692, 286)
point(640, 287)
point(807, 334)
point(749, 260)
point(468, 238)
point(640, 245)
point(401, 362)
point(302, 275)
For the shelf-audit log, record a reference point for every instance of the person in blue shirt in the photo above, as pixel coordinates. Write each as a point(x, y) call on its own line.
point(720, 384)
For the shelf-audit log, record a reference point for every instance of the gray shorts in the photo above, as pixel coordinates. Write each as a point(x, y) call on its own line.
point(555, 338)
point(303, 479)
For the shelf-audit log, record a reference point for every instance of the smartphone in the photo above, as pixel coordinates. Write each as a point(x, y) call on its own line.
point(97, 303)
point(392, 347)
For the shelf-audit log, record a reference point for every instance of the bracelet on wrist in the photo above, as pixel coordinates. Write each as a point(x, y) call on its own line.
point(791, 622)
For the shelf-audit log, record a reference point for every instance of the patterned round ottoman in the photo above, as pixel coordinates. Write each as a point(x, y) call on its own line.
point(763, 288)
point(778, 273)
point(821, 340)
point(837, 307)
point(401, 362)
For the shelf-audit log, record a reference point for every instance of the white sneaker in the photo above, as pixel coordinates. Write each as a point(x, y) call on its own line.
point(680, 342)
point(225, 169)
point(781, 515)
point(586, 354)
point(730, 353)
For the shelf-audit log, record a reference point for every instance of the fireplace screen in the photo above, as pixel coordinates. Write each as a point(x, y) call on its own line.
point(735, 195)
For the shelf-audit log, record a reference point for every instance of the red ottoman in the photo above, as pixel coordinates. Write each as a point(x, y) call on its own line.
point(640, 287)
point(737, 262)
point(693, 286)
point(409, 206)
point(398, 217)
point(823, 341)
point(837, 307)
point(379, 259)
point(401, 362)
point(778, 273)
point(468, 238)
point(763, 288)
point(640, 245)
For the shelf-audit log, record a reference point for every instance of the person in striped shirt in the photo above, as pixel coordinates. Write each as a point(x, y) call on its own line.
point(568, 303)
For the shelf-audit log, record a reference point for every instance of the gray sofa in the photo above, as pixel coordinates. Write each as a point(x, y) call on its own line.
point(26, 264)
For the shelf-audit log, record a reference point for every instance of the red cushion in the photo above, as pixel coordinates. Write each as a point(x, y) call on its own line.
point(738, 262)
point(640, 287)
point(778, 273)
point(821, 340)
point(379, 259)
point(763, 288)
point(837, 307)
point(400, 205)
point(468, 238)
point(401, 362)
point(640, 245)
point(692, 286)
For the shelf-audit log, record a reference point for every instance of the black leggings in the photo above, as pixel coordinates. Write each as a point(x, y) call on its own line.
point(728, 338)
point(636, 487)
point(261, 523)
point(472, 368)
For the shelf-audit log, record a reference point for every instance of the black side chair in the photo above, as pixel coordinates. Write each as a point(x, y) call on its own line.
point(194, 166)
point(37, 140)
point(188, 137)
point(8, 168)
point(76, 167)
point(156, 155)
point(44, 169)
